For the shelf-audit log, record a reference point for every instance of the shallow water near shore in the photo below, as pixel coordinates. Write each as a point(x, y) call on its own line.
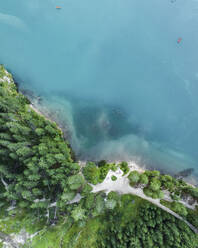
point(112, 74)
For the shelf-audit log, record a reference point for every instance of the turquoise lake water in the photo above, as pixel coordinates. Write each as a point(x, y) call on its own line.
point(112, 73)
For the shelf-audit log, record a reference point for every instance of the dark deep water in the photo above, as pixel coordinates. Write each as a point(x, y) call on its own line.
point(113, 74)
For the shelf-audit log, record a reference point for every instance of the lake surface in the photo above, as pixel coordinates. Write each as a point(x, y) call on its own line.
point(112, 73)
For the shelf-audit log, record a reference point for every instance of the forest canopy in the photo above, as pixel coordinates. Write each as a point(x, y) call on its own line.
point(36, 167)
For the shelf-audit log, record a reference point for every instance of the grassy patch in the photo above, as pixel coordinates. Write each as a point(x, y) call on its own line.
point(14, 221)
point(51, 236)
point(67, 234)
point(128, 207)
point(74, 235)
point(86, 237)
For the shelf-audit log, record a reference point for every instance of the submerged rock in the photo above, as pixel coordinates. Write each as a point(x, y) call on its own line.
point(184, 173)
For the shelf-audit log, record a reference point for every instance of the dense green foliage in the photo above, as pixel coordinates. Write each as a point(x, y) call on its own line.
point(191, 191)
point(192, 216)
point(189, 214)
point(133, 222)
point(154, 183)
point(134, 177)
point(152, 227)
point(35, 162)
point(91, 173)
point(177, 207)
point(96, 174)
point(124, 167)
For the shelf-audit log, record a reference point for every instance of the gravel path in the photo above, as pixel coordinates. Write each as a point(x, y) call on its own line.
point(121, 185)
